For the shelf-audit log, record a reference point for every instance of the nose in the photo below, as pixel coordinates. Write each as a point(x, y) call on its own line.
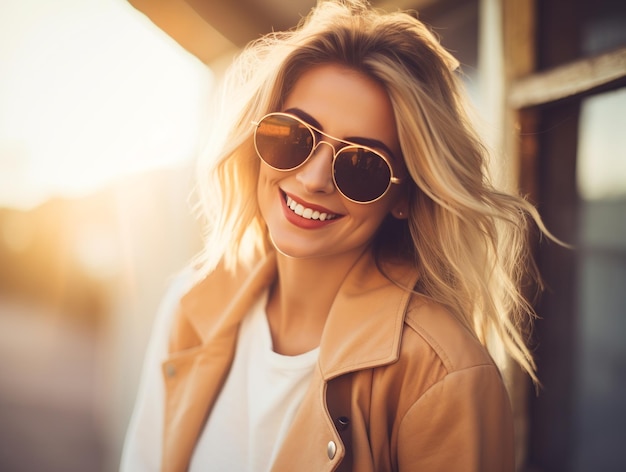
point(316, 174)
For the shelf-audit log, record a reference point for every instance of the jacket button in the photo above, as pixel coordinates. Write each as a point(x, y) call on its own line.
point(170, 370)
point(331, 449)
point(342, 423)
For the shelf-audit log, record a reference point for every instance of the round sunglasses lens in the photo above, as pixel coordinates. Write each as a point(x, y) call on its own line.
point(361, 175)
point(283, 142)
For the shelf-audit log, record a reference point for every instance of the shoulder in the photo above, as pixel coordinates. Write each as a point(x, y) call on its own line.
point(442, 393)
point(455, 397)
point(437, 351)
point(456, 386)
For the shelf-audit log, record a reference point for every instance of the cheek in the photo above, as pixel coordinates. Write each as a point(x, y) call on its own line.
point(263, 181)
point(267, 188)
point(268, 176)
point(371, 215)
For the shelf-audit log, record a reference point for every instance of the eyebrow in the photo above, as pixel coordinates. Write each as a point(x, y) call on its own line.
point(373, 143)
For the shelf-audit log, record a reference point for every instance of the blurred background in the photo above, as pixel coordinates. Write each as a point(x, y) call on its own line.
point(104, 106)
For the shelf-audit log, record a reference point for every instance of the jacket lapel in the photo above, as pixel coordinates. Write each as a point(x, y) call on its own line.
point(202, 347)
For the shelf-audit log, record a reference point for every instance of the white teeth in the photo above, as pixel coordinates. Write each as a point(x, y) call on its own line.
point(307, 213)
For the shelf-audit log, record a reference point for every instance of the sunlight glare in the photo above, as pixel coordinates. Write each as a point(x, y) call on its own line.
point(91, 90)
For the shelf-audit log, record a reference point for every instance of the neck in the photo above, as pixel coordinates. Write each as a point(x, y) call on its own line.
point(301, 299)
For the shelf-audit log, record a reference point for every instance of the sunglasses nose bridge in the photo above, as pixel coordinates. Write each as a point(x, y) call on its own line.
point(323, 163)
point(323, 141)
point(316, 174)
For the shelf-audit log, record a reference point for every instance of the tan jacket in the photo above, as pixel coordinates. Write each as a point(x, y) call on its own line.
point(400, 384)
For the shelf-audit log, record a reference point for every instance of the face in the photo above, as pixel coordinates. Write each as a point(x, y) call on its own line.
point(305, 213)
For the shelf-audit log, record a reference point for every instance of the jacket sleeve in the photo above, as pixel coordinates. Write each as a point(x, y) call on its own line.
point(462, 423)
point(144, 437)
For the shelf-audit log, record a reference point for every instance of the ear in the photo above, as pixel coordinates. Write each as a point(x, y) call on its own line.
point(400, 214)
point(400, 210)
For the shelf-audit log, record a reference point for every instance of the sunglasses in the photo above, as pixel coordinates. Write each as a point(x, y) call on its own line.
point(285, 142)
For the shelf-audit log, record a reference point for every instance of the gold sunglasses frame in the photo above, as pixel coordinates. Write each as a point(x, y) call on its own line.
point(349, 145)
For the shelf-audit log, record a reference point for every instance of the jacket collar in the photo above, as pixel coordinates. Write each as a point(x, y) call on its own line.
point(218, 303)
point(365, 323)
point(363, 329)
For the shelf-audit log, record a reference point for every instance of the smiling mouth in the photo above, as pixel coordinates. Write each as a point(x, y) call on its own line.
point(307, 213)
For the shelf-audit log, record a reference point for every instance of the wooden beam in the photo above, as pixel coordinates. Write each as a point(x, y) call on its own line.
point(241, 21)
point(519, 57)
point(518, 29)
point(568, 80)
point(186, 27)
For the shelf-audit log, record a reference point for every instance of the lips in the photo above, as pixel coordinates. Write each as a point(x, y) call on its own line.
point(307, 211)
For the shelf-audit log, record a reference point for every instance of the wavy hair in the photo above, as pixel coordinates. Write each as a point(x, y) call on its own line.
point(467, 239)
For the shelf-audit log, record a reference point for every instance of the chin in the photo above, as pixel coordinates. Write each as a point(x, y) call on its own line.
point(289, 250)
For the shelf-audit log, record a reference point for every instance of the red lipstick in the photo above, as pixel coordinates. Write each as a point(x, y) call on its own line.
point(301, 221)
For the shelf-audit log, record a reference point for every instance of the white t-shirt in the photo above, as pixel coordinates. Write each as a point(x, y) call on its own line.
point(258, 401)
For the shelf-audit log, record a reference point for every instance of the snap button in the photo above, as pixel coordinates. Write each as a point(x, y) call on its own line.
point(342, 423)
point(331, 449)
point(170, 370)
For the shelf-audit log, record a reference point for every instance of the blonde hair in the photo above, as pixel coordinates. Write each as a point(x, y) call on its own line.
point(467, 239)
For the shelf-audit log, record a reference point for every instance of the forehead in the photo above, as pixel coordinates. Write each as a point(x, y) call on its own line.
point(345, 103)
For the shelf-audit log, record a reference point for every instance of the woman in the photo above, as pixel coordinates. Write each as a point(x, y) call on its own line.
point(357, 259)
